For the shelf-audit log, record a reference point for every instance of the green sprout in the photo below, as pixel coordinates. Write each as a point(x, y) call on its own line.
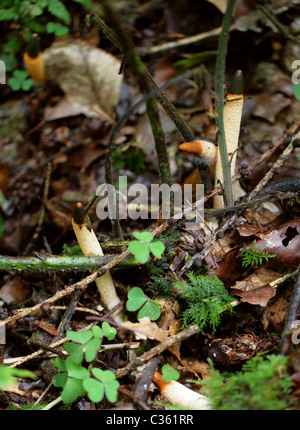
point(169, 373)
point(297, 91)
point(142, 247)
point(75, 379)
point(137, 300)
point(251, 256)
point(7, 376)
point(20, 81)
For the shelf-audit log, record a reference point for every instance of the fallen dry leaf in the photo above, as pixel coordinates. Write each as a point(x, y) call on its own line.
point(145, 329)
point(275, 314)
point(14, 291)
point(88, 76)
point(255, 289)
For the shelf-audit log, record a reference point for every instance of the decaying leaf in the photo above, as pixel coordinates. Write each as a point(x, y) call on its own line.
point(145, 329)
point(88, 76)
point(274, 315)
point(14, 291)
point(255, 289)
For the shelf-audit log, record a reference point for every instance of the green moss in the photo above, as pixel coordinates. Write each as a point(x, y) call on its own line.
point(262, 384)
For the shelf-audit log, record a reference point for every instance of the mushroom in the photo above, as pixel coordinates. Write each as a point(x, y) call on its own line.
point(34, 60)
point(90, 246)
point(232, 115)
point(177, 394)
point(208, 152)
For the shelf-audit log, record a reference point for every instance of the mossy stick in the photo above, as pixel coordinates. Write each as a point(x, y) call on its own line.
point(220, 71)
point(53, 263)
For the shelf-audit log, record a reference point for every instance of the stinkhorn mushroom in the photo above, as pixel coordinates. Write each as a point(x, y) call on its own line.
point(177, 394)
point(34, 60)
point(232, 115)
point(90, 246)
point(208, 152)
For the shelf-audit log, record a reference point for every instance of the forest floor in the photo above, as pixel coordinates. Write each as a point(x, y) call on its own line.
point(53, 146)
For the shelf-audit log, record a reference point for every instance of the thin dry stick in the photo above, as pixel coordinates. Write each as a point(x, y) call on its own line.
point(158, 349)
point(280, 161)
point(179, 43)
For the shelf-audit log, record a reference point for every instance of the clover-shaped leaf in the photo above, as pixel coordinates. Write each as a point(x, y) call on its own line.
point(20, 80)
point(94, 388)
point(60, 364)
point(76, 370)
point(75, 351)
point(141, 248)
point(73, 389)
point(60, 379)
point(108, 331)
point(91, 349)
point(157, 248)
point(169, 373)
point(138, 300)
point(109, 382)
point(150, 310)
point(80, 337)
point(144, 236)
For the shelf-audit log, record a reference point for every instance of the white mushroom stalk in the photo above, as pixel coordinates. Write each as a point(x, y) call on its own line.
point(177, 394)
point(90, 246)
point(232, 115)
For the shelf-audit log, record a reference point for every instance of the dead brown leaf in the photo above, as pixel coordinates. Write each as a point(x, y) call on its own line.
point(14, 291)
point(145, 329)
point(255, 289)
point(88, 76)
point(275, 314)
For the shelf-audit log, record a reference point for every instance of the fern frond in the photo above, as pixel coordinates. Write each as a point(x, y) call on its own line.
point(205, 298)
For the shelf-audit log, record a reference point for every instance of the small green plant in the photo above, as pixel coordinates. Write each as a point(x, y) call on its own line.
point(142, 247)
point(252, 257)
point(24, 19)
point(262, 384)
point(137, 300)
point(8, 374)
point(20, 80)
point(206, 297)
point(75, 379)
point(169, 373)
point(131, 159)
point(297, 91)
point(71, 251)
point(57, 28)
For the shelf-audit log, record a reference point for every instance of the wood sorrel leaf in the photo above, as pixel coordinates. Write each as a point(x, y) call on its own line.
point(157, 248)
point(140, 251)
point(136, 299)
